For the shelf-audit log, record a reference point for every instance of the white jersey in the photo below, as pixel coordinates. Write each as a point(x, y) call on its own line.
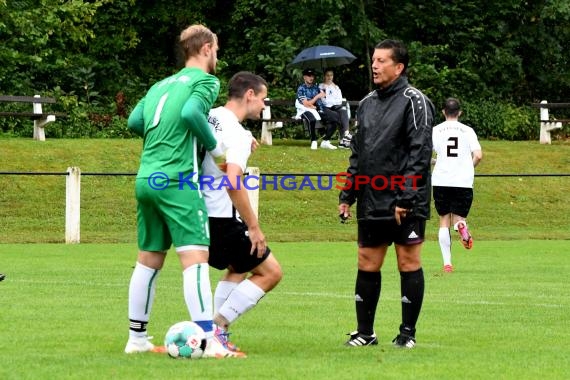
point(453, 142)
point(236, 142)
point(333, 95)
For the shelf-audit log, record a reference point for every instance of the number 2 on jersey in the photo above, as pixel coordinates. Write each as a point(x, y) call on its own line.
point(452, 146)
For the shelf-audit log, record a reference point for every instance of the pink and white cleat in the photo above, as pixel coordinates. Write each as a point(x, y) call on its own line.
point(466, 238)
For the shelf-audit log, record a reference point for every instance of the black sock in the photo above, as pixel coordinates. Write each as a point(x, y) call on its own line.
point(412, 289)
point(366, 296)
point(137, 326)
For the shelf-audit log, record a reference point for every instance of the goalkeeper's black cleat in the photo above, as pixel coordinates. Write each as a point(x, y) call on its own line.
point(357, 340)
point(2, 276)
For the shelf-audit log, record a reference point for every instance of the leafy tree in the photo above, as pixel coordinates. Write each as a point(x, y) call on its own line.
point(92, 53)
point(41, 41)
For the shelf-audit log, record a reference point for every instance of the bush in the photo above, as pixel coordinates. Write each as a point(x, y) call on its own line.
point(101, 118)
point(502, 121)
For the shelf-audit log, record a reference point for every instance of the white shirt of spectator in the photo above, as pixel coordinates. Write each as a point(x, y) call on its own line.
point(333, 95)
point(236, 142)
point(453, 143)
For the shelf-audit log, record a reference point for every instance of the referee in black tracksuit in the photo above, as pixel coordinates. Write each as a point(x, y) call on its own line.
point(389, 179)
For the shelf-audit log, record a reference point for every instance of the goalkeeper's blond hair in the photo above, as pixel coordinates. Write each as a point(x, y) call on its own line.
point(194, 37)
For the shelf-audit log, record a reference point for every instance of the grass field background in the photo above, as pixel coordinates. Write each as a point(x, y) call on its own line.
point(504, 314)
point(32, 208)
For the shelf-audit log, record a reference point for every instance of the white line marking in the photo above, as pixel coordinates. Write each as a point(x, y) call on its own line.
point(277, 293)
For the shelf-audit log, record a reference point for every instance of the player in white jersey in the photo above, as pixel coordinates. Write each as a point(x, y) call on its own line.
point(237, 243)
point(457, 153)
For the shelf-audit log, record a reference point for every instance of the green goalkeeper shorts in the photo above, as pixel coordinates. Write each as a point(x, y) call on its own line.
point(170, 216)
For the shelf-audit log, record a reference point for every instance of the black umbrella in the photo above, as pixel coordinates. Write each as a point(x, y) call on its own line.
point(322, 56)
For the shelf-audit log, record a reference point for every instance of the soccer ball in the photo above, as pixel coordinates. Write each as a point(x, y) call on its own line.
point(185, 340)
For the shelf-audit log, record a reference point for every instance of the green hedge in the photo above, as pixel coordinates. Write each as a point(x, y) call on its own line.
point(490, 119)
point(501, 121)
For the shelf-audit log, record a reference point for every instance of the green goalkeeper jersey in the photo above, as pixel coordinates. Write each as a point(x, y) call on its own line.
point(172, 119)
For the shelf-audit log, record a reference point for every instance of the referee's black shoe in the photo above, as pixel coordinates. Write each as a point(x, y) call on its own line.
point(406, 338)
point(2, 276)
point(357, 339)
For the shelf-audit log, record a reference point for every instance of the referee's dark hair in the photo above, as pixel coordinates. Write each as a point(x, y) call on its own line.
point(452, 107)
point(399, 52)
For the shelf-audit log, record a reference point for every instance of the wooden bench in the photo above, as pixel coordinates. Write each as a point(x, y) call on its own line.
point(38, 115)
point(546, 124)
point(271, 122)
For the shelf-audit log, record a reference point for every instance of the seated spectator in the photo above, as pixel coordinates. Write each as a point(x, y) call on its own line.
point(333, 101)
point(311, 110)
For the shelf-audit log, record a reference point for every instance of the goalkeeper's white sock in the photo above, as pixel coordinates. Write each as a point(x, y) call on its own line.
point(198, 296)
point(223, 290)
point(245, 296)
point(141, 297)
point(445, 245)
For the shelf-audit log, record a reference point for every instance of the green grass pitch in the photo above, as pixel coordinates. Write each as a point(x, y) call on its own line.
point(503, 314)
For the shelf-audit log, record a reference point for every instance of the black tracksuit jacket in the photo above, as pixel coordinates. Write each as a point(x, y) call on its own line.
point(393, 144)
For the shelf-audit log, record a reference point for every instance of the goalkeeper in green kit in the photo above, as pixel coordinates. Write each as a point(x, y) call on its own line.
point(172, 119)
